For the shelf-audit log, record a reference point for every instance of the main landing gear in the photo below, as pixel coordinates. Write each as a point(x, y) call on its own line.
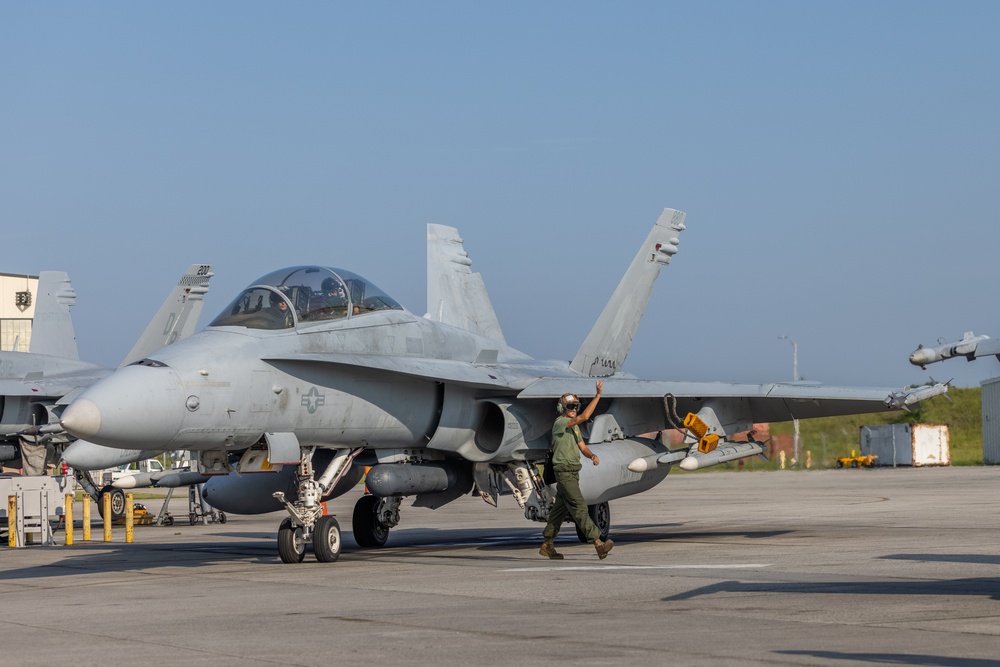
point(601, 515)
point(306, 522)
point(89, 485)
point(373, 517)
point(117, 502)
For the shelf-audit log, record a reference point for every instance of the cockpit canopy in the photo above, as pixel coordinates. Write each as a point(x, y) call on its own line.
point(299, 294)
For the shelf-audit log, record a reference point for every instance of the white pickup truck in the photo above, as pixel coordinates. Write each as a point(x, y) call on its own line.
point(114, 474)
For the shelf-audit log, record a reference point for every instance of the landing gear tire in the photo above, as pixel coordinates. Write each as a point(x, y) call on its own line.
point(600, 514)
point(368, 530)
point(117, 502)
point(222, 517)
point(326, 539)
point(291, 545)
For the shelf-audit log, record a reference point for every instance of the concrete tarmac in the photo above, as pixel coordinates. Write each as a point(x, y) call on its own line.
point(837, 567)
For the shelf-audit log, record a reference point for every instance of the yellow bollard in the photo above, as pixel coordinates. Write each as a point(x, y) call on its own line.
point(86, 518)
point(12, 521)
point(106, 501)
point(69, 519)
point(129, 519)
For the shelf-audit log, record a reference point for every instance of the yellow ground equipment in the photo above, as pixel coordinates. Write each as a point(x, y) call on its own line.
point(855, 461)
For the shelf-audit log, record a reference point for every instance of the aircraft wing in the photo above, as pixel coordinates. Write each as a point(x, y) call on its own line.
point(766, 402)
point(47, 387)
point(990, 346)
point(37, 375)
point(440, 370)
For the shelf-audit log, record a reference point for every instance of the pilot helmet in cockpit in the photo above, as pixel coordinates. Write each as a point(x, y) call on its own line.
point(333, 291)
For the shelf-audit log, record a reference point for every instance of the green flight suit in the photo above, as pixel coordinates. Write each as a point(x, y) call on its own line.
point(569, 498)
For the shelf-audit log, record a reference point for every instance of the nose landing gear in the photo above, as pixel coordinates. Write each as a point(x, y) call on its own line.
point(306, 522)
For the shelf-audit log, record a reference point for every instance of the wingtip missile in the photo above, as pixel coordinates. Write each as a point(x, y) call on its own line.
point(960, 348)
point(910, 396)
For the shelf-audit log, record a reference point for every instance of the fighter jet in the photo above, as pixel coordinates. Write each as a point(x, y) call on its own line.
point(35, 386)
point(971, 346)
point(53, 352)
point(312, 372)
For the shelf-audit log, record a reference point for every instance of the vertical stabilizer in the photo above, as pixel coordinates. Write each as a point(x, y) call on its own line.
point(456, 295)
point(52, 327)
point(178, 316)
point(608, 343)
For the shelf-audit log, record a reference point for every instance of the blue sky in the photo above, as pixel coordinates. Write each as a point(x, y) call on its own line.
point(838, 163)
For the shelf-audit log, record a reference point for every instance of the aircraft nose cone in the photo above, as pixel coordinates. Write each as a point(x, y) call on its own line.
point(136, 407)
point(82, 418)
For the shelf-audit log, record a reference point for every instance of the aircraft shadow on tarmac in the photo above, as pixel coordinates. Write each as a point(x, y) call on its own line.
point(983, 559)
point(516, 539)
point(917, 659)
point(978, 586)
point(96, 556)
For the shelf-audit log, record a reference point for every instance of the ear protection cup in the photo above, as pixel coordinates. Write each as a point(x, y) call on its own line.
point(561, 405)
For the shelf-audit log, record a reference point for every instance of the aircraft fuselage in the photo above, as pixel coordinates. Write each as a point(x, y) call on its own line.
point(225, 387)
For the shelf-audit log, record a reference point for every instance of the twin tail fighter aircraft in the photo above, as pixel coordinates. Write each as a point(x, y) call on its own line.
point(35, 386)
point(312, 372)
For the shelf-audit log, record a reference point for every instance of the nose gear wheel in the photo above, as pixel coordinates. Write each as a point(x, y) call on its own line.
point(291, 542)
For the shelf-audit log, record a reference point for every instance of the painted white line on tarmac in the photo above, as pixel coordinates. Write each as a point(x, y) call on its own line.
point(484, 542)
point(591, 568)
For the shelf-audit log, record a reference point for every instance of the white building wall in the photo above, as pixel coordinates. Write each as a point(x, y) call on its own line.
point(15, 321)
point(991, 420)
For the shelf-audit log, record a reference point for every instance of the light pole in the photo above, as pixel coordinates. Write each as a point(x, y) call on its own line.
point(795, 357)
point(795, 378)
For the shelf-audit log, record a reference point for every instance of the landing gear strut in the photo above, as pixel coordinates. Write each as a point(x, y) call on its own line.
point(86, 480)
point(306, 520)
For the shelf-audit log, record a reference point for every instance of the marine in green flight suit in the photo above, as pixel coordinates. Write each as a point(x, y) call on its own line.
point(567, 446)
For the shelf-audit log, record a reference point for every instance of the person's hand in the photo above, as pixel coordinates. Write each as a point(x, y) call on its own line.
point(596, 461)
point(600, 387)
